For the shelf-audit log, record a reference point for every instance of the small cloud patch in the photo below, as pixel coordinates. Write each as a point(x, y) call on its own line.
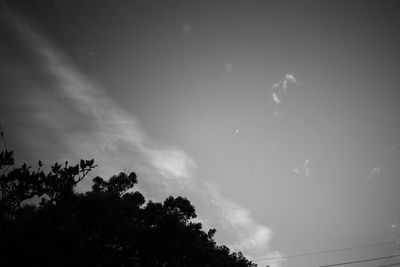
point(373, 172)
point(279, 89)
point(304, 169)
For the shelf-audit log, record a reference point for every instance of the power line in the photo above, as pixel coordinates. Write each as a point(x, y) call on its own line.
point(386, 261)
point(384, 264)
point(351, 262)
point(328, 251)
point(391, 264)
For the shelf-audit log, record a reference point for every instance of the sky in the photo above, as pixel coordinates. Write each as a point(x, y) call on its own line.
point(278, 120)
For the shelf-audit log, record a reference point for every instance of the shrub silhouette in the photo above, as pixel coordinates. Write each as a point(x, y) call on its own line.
point(111, 225)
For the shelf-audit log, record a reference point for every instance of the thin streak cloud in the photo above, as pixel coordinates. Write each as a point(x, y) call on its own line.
point(117, 140)
point(105, 122)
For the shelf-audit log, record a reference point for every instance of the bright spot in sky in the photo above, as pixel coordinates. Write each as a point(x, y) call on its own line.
point(186, 28)
point(228, 67)
point(237, 131)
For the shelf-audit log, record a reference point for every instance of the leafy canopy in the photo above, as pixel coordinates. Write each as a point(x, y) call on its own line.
point(110, 225)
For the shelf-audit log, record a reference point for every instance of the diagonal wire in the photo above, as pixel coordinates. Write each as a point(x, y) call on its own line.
point(391, 264)
point(351, 262)
point(387, 260)
point(328, 251)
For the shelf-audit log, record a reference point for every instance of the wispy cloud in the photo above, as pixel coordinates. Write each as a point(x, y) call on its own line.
point(373, 172)
point(276, 99)
point(82, 110)
point(247, 235)
point(304, 169)
point(172, 163)
point(75, 111)
point(395, 224)
point(278, 91)
point(290, 78)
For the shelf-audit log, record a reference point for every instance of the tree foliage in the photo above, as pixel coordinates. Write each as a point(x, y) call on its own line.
point(111, 225)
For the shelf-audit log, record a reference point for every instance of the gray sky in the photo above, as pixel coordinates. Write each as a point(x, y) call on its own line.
point(278, 120)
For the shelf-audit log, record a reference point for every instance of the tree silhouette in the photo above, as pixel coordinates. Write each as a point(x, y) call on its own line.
point(45, 222)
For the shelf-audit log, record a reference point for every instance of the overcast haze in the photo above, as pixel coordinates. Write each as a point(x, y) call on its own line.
point(278, 120)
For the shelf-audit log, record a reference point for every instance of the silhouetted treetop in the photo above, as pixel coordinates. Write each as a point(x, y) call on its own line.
point(117, 184)
point(111, 225)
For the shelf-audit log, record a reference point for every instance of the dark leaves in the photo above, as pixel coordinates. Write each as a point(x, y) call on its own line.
point(117, 184)
point(21, 184)
point(107, 226)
